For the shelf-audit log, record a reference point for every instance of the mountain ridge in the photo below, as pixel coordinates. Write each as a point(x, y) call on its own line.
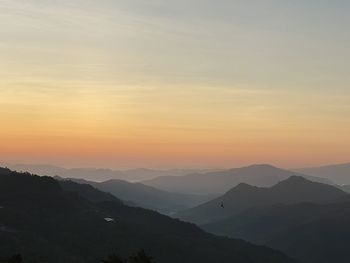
point(242, 197)
point(41, 221)
point(102, 174)
point(263, 175)
point(146, 196)
point(339, 173)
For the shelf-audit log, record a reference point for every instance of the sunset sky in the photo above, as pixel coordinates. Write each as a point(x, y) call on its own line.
point(185, 83)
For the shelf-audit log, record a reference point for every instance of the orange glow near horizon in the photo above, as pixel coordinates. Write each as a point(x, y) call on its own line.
point(178, 130)
point(114, 84)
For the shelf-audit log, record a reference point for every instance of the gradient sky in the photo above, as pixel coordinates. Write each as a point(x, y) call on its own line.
point(186, 83)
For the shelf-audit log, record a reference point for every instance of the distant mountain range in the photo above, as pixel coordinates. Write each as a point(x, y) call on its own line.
point(313, 233)
point(146, 196)
point(293, 190)
point(100, 175)
point(220, 182)
point(47, 223)
point(338, 173)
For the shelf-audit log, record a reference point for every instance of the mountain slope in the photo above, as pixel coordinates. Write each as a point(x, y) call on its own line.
point(87, 191)
point(220, 182)
point(147, 196)
point(44, 223)
point(314, 233)
point(338, 173)
point(346, 188)
point(295, 189)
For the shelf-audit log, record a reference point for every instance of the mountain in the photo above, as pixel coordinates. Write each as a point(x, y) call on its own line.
point(147, 196)
point(314, 233)
point(220, 182)
point(346, 188)
point(44, 223)
point(99, 175)
point(295, 189)
point(87, 191)
point(338, 173)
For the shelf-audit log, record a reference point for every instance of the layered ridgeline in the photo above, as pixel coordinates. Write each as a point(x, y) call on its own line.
point(44, 223)
point(99, 174)
point(144, 196)
point(220, 182)
point(338, 173)
point(293, 190)
point(314, 233)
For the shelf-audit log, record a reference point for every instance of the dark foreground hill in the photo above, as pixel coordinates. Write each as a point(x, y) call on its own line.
point(46, 224)
point(314, 233)
point(263, 175)
point(295, 189)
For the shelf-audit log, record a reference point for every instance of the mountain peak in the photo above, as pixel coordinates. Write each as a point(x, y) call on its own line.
point(295, 179)
point(244, 186)
point(303, 185)
point(241, 188)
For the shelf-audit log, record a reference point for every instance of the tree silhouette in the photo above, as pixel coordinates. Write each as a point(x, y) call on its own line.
point(13, 259)
point(141, 257)
point(113, 259)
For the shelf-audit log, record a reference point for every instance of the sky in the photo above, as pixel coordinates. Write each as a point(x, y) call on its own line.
point(186, 83)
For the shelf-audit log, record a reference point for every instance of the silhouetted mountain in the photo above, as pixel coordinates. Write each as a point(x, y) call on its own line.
point(338, 173)
point(147, 196)
point(314, 233)
point(42, 222)
point(346, 188)
point(220, 182)
point(99, 175)
point(295, 189)
point(87, 191)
